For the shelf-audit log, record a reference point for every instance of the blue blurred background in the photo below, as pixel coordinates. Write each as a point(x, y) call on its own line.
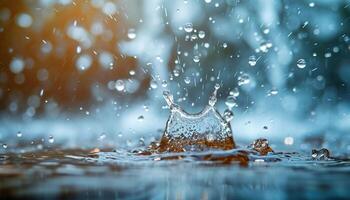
point(78, 73)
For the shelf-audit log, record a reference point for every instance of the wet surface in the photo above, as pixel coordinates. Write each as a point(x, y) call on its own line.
point(107, 174)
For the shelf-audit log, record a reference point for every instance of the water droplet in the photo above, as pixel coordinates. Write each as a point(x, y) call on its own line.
point(101, 137)
point(132, 72)
point(231, 101)
point(119, 85)
point(168, 98)
point(154, 84)
point(207, 1)
point(188, 27)
point(196, 59)
point(288, 140)
point(78, 50)
point(129, 143)
point(328, 55)
point(301, 63)
point(272, 92)
point(261, 145)
point(265, 46)
point(142, 142)
point(194, 37)
point(228, 115)
point(234, 92)
point(252, 61)
point(83, 62)
point(224, 45)
point(24, 20)
point(17, 65)
point(51, 139)
point(140, 118)
point(266, 31)
point(213, 99)
point(4, 146)
point(176, 72)
point(19, 134)
point(164, 83)
point(41, 92)
point(322, 154)
point(187, 80)
point(131, 33)
point(201, 34)
point(243, 79)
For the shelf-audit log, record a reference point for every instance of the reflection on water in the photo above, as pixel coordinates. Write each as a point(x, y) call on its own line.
point(95, 174)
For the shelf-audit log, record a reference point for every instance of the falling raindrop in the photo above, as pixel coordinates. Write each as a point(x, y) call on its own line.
point(265, 46)
point(187, 80)
point(101, 137)
point(228, 115)
point(234, 92)
point(243, 79)
point(213, 99)
point(131, 34)
point(146, 107)
point(119, 85)
point(164, 83)
point(140, 118)
point(188, 27)
point(231, 101)
point(78, 50)
point(196, 59)
point(252, 61)
point(201, 34)
point(83, 62)
point(51, 139)
point(301, 63)
point(154, 84)
point(19, 134)
point(24, 20)
point(272, 92)
point(328, 55)
point(176, 72)
point(132, 72)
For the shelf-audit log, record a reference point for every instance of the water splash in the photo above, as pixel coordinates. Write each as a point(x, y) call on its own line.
point(261, 145)
point(322, 154)
point(195, 132)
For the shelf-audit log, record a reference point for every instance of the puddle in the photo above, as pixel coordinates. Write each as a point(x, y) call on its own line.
point(78, 173)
